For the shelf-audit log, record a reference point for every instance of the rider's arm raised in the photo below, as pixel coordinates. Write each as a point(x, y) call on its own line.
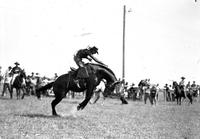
point(96, 60)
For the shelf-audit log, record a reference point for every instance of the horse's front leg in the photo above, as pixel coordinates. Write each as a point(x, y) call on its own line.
point(180, 101)
point(18, 93)
point(23, 91)
point(88, 96)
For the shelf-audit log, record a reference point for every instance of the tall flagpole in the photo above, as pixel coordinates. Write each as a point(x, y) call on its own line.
point(123, 51)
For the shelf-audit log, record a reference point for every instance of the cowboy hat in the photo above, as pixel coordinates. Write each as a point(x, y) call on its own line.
point(182, 77)
point(16, 63)
point(94, 48)
point(37, 74)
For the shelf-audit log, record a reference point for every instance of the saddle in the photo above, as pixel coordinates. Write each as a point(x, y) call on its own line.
point(81, 73)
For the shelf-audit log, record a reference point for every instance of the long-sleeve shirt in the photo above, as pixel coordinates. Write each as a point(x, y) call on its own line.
point(16, 70)
point(7, 76)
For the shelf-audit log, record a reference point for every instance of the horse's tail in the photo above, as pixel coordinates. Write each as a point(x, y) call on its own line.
point(43, 88)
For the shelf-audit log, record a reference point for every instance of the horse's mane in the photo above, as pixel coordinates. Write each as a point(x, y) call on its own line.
point(175, 83)
point(103, 67)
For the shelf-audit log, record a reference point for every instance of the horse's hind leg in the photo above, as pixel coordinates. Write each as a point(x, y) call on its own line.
point(190, 98)
point(23, 91)
point(177, 101)
point(54, 103)
point(154, 100)
point(18, 93)
point(180, 101)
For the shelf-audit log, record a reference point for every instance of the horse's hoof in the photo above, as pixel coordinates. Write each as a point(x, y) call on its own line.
point(39, 98)
point(79, 107)
point(57, 115)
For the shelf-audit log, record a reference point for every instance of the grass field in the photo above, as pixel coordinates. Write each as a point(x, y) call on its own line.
point(31, 118)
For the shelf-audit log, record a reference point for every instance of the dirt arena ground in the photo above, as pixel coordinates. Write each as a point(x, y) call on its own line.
point(31, 118)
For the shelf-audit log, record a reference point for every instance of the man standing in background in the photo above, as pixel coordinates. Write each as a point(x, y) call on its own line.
point(182, 85)
point(7, 80)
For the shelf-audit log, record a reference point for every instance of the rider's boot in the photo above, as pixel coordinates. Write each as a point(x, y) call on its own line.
point(82, 74)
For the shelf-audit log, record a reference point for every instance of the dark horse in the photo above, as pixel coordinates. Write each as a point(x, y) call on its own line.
point(179, 92)
point(65, 83)
point(18, 84)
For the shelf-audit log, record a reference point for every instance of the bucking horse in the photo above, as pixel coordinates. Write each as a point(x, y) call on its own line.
point(180, 93)
point(64, 83)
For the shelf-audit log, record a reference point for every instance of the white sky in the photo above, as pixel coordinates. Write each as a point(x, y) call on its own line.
point(162, 36)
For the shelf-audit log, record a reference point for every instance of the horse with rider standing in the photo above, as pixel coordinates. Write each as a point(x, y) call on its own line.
point(18, 80)
point(15, 71)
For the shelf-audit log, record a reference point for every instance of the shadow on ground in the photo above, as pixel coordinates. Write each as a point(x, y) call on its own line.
point(72, 102)
point(68, 116)
point(35, 115)
point(5, 98)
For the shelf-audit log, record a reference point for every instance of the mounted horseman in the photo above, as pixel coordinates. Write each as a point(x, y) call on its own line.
point(15, 71)
point(89, 75)
point(18, 80)
point(87, 53)
point(82, 73)
point(179, 91)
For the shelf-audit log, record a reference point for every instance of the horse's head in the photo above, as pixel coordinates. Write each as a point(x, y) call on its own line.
point(104, 73)
point(22, 74)
point(174, 84)
point(110, 88)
